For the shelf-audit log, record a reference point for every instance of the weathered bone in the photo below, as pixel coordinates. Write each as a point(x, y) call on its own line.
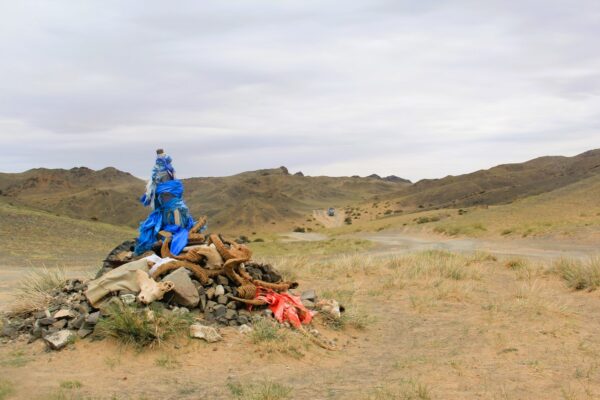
point(150, 290)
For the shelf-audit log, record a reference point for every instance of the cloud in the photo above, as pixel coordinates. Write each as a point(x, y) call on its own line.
point(415, 89)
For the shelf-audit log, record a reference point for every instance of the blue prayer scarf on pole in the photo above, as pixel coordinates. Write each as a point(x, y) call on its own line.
point(162, 219)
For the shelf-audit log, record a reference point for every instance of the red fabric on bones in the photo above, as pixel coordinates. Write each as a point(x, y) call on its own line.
point(285, 307)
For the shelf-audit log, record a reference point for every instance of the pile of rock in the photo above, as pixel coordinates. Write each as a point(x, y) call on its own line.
point(68, 315)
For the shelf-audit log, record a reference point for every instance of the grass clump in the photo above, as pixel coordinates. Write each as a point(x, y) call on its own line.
point(6, 389)
point(516, 264)
point(71, 385)
point(265, 390)
point(15, 359)
point(579, 275)
point(141, 327)
point(270, 337)
point(34, 292)
point(407, 390)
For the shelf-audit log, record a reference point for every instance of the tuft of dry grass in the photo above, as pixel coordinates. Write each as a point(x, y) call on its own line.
point(34, 292)
point(579, 275)
point(271, 338)
point(141, 327)
point(264, 390)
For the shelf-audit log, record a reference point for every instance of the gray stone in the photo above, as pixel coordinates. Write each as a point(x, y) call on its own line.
point(309, 295)
point(84, 332)
point(92, 319)
point(232, 305)
point(60, 324)
point(39, 314)
point(9, 332)
point(220, 310)
point(222, 280)
point(232, 322)
point(222, 299)
point(185, 292)
point(202, 303)
point(59, 339)
point(46, 321)
point(208, 333)
point(231, 314)
point(243, 320)
point(76, 322)
point(210, 305)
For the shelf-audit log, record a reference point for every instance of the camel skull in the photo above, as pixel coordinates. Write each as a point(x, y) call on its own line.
point(150, 290)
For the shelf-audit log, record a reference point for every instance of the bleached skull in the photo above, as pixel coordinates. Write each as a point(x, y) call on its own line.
point(150, 290)
point(330, 307)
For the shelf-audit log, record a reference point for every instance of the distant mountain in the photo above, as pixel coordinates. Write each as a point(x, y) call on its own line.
point(256, 198)
point(274, 198)
point(500, 184)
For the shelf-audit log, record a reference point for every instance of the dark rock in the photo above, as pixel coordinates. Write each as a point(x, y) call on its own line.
point(242, 319)
point(46, 321)
point(202, 303)
point(77, 322)
point(92, 319)
point(9, 331)
point(84, 332)
point(220, 310)
point(39, 314)
point(233, 322)
point(222, 280)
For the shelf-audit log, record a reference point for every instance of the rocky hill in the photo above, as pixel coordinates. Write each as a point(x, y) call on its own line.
point(499, 185)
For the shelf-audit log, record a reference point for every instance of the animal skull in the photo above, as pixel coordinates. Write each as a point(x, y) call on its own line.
point(330, 307)
point(150, 290)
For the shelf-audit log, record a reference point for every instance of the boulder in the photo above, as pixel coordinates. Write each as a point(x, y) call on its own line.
point(59, 339)
point(184, 291)
point(208, 333)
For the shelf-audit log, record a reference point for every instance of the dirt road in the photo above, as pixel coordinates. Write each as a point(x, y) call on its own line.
point(327, 221)
point(396, 242)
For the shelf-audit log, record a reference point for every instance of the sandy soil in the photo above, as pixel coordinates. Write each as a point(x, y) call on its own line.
point(502, 334)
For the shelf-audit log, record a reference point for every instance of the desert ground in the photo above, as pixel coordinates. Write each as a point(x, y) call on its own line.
point(427, 318)
point(481, 286)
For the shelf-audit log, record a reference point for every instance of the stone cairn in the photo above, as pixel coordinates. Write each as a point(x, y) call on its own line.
point(215, 301)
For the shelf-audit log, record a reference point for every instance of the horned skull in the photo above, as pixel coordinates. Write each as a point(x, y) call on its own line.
point(150, 290)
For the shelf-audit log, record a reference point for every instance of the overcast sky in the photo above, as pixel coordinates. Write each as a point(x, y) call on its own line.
point(419, 89)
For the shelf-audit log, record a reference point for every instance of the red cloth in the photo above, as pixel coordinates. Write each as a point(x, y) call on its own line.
point(285, 307)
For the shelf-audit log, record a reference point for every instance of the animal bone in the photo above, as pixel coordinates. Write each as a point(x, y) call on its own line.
point(200, 273)
point(150, 290)
point(331, 308)
point(202, 254)
point(235, 250)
